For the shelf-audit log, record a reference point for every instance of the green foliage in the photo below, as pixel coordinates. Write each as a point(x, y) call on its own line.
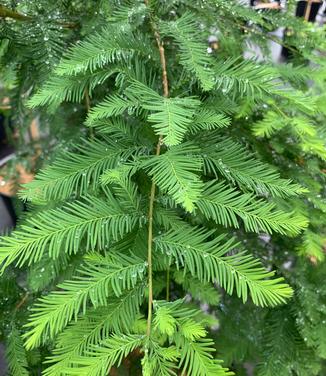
point(73, 172)
point(100, 49)
point(66, 228)
point(207, 260)
point(192, 52)
point(223, 205)
point(189, 176)
point(99, 361)
point(16, 354)
point(98, 278)
point(237, 165)
point(175, 173)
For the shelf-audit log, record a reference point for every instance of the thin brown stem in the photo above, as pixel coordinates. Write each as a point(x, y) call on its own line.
point(165, 86)
point(87, 100)
point(21, 302)
point(6, 12)
point(9, 13)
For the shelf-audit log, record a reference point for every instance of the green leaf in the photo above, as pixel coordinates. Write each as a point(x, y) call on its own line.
point(224, 205)
point(312, 246)
point(208, 260)
point(100, 49)
point(197, 359)
point(99, 360)
point(207, 119)
point(159, 360)
point(79, 170)
point(231, 160)
point(99, 278)
point(16, 354)
point(113, 105)
point(175, 172)
point(192, 48)
point(94, 221)
point(164, 321)
point(94, 327)
point(68, 88)
point(170, 116)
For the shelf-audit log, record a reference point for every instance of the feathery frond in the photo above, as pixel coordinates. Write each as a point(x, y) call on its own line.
point(99, 278)
point(224, 204)
point(99, 360)
point(169, 116)
point(110, 45)
point(79, 170)
point(16, 354)
point(208, 260)
point(237, 165)
point(94, 327)
point(197, 359)
point(193, 54)
point(176, 173)
point(69, 88)
point(94, 221)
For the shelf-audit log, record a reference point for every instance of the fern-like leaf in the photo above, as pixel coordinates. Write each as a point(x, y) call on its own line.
point(208, 260)
point(224, 205)
point(175, 173)
point(80, 170)
point(100, 360)
point(193, 51)
point(92, 220)
point(93, 328)
point(197, 359)
point(97, 279)
point(16, 354)
point(110, 45)
point(237, 165)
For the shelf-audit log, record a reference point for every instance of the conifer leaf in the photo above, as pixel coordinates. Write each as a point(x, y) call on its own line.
point(98, 278)
point(192, 330)
point(99, 360)
point(160, 360)
point(207, 119)
point(197, 359)
point(111, 44)
point(193, 51)
point(209, 260)
point(113, 105)
point(312, 245)
point(16, 354)
point(129, 11)
point(68, 88)
point(175, 173)
point(170, 116)
point(270, 124)
point(203, 292)
point(93, 327)
point(224, 205)
point(244, 78)
point(235, 163)
point(123, 187)
point(164, 321)
point(93, 220)
point(169, 98)
point(79, 170)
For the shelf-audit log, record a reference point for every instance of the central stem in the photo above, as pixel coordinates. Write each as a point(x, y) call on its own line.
point(165, 86)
